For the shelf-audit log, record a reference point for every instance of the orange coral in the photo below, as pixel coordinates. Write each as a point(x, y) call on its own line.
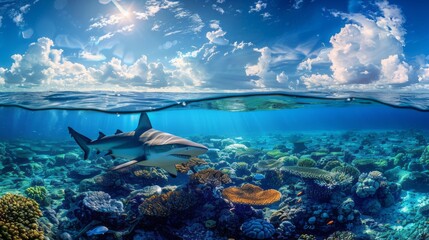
point(185, 167)
point(165, 204)
point(210, 177)
point(251, 195)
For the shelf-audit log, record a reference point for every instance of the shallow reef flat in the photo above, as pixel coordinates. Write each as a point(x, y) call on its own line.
point(296, 185)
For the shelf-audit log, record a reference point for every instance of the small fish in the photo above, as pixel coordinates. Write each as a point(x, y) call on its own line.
point(330, 222)
point(300, 193)
point(299, 200)
point(97, 231)
point(259, 176)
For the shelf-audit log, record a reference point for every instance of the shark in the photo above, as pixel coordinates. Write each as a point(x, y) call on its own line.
point(144, 146)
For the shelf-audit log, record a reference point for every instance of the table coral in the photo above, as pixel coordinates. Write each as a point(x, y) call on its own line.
point(251, 195)
point(18, 218)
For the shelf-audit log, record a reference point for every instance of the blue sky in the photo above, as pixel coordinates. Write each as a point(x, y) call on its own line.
point(218, 45)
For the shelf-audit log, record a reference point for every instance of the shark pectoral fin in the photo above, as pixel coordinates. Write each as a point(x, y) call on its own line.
point(144, 125)
point(171, 169)
point(123, 165)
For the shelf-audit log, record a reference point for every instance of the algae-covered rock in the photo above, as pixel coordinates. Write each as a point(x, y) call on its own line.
point(370, 164)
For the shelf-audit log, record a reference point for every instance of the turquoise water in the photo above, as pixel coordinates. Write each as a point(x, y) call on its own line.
point(293, 145)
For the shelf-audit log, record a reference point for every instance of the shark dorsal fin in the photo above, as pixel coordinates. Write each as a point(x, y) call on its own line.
point(118, 131)
point(101, 135)
point(144, 124)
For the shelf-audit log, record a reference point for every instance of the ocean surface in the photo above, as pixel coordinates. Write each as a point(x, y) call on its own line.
point(276, 166)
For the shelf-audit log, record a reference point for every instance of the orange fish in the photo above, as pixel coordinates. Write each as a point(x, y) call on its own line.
point(330, 222)
point(299, 200)
point(300, 193)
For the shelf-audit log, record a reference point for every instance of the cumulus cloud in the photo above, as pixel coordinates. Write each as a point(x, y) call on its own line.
point(41, 64)
point(423, 73)
point(265, 77)
point(217, 36)
point(44, 66)
point(91, 56)
point(365, 51)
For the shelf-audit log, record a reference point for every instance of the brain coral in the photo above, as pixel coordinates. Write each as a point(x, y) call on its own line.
point(18, 218)
point(210, 177)
point(258, 229)
point(251, 195)
point(168, 203)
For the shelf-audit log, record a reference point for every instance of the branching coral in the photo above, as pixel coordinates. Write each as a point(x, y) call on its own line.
point(209, 177)
point(165, 204)
point(251, 195)
point(18, 218)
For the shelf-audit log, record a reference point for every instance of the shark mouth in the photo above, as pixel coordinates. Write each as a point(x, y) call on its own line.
point(181, 156)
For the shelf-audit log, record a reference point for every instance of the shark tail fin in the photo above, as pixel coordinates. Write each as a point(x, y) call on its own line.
point(82, 141)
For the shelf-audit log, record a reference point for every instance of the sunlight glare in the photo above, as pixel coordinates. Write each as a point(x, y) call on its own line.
point(120, 8)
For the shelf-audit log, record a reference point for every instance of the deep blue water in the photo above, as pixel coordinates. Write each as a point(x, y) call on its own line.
point(21, 123)
point(36, 150)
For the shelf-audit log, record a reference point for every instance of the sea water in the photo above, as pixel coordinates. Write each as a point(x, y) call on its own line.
point(328, 167)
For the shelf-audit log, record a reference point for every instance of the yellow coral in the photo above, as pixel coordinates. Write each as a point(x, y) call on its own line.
point(251, 195)
point(18, 218)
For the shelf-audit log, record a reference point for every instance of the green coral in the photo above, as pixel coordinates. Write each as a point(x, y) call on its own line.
point(276, 153)
point(308, 172)
point(332, 164)
point(289, 160)
point(18, 218)
point(38, 193)
point(370, 164)
point(424, 158)
point(349, 170)
point(306, 162)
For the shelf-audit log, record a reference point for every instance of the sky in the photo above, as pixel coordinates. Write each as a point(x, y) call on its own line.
point(214, 45)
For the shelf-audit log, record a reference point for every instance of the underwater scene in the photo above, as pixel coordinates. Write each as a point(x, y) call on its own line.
point(267, 166)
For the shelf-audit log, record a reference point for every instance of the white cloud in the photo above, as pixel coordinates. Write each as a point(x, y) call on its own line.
point(106, 21)
point(392, 20)
point(423, 73)
point(240, 46)
point(25, 8)
point(218, 9)
point(365, 51)
point(18, 19)
point(298, 4)
point(394, 71)
point(265, 77)
point(259, 5)
point(43, 65)
point(316, 80)
point(266, 15)
point(91, 56)
point(153, 7)
point(321, 58)
point(282, 77)
point(218, 35)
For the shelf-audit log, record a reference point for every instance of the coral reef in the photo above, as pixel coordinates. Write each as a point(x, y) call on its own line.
point(251, 195)
point(167, 203)
point(190, 165)
point(257, 229)
point(209, 177)
point(38, 193)
point(18, 218)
